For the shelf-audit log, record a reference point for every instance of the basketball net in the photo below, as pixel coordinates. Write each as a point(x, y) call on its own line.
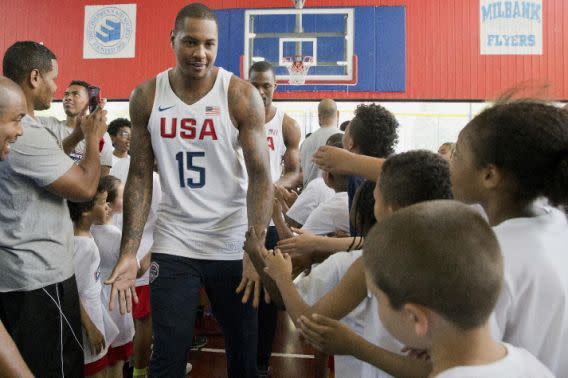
point(298, 67)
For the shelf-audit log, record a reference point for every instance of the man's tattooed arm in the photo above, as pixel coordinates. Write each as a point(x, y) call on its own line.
point(138, 189)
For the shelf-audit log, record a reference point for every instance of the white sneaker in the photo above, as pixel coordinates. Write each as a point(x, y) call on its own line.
point(188, 368)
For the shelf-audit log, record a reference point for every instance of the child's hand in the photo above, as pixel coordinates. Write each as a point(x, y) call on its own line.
point(283, 194)
point(254, 242)
point(332, 159)
point(290, 197)
point(96, 339)
point(301, 262)
point(279, 192)
point(278, 266)
point(328, 335)
point(276, 208)
point(304, 242)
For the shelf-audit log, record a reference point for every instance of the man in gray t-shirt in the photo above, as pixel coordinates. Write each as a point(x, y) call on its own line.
point(39, 303)
point(328, 117)
point(75, 103)
point(40, 229)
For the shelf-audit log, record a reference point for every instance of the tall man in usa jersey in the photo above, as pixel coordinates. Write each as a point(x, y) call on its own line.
point(205, 128)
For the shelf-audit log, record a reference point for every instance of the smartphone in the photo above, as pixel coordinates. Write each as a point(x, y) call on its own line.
point(94, 98)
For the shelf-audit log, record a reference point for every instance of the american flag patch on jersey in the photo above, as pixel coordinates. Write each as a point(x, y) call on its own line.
point(212, 111)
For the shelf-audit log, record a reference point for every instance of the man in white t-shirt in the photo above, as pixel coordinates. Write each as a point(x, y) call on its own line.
point(328, 117)
point(120, 132)
point(69, 134)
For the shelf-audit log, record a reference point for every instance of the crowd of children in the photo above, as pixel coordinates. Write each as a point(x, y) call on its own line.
point(435, 287)
point(457, 291)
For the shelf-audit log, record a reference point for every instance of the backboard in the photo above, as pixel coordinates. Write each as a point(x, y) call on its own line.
point(324, 34)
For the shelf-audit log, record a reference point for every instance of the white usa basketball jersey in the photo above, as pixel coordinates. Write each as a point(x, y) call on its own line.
point(276, 146)
point(202, 172)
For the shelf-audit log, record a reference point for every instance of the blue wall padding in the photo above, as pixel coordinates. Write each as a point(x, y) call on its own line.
point(390, 49)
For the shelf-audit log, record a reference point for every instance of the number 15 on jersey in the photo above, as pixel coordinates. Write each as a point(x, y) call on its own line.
point(187, 162)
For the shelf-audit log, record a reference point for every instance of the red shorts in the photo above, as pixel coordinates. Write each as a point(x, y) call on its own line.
point(96, 366)
point(120, 353)
point(141, 309)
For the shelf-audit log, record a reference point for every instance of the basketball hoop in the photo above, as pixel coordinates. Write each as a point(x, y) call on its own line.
point(298, 67)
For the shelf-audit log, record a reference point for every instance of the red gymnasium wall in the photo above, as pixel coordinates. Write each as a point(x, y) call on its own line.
point(442, 46)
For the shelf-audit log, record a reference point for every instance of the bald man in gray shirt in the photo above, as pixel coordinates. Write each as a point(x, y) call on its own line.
point(328, 117)
point(12, 110)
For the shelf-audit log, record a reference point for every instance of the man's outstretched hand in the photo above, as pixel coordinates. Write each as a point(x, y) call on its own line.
point(254, 255)
point(123, 280)
point(250, 284)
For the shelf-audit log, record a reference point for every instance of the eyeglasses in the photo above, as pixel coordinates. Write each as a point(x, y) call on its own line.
point(124, 133)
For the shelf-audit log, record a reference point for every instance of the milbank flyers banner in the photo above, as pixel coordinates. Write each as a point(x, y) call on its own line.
point(510, 27)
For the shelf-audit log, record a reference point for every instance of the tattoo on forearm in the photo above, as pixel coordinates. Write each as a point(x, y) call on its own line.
point(138, 190)
point(137, 199)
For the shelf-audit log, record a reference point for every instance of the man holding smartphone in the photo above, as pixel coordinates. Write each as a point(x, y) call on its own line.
point(76, 100)
point(39, 302)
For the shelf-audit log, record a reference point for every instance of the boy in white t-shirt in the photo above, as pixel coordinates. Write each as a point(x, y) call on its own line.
point(120, 132)
point(107, 237)
point(437, 289)
point(332, 215)
point(98, 329)
point(325, 276)
point(308, 200)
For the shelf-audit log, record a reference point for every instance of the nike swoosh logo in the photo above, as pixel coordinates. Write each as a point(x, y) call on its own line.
point(166, 108)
